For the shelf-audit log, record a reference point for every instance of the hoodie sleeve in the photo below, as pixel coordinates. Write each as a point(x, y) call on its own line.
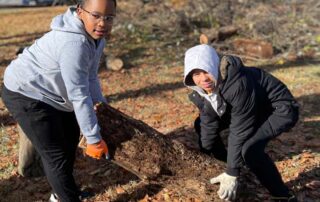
point(75, 65)
point(242, 126)
point(94, 83)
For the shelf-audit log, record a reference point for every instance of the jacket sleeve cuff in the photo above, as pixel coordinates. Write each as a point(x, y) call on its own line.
point(93, 139)
point(233, 172)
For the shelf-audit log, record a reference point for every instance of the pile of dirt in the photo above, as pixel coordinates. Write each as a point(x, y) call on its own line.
point(155, 157)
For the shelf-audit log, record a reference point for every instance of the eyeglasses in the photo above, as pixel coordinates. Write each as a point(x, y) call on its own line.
point(109, 19)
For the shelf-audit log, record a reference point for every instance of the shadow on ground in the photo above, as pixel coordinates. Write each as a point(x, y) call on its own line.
point(297, 63)
point(91, 175)
point(35, 34)
point(149, 90)
point(6, 119)
point(303, 188)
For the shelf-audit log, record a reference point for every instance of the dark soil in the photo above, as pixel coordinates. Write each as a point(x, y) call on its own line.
point(155, 157)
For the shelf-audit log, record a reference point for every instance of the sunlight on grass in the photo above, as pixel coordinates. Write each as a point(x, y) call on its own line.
point(304, 83)
point(7, 166)
point(4, 140)
point(17, 21)
point(300, 78)
point(6, 171)
point(314, 123)
point(20, 27)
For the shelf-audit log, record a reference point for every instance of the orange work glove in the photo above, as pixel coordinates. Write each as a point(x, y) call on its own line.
point(97, 150)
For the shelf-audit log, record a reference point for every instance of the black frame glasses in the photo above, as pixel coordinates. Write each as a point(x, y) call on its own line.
point(109, 19)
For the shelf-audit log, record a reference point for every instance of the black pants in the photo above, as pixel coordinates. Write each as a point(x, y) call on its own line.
point(253, 151)
point(55, 136)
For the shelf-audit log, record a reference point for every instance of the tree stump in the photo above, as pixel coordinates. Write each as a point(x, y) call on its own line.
point(115, 64)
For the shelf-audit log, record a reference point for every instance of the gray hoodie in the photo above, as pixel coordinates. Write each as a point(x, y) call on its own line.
point(60, 69)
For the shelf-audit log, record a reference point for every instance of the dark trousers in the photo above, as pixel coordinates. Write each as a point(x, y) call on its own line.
point(55, 136)
point(253, 150)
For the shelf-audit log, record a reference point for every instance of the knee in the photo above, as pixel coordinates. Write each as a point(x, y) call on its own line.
point(292, 115)
point(295, 115)
point(285, 117)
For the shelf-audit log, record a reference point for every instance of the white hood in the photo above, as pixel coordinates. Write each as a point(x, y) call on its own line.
point(202, 57)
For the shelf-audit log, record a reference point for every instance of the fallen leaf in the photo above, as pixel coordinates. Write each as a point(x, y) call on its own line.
point(120, 190)
point(307, 155)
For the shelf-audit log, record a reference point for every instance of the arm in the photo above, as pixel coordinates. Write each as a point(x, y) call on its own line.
point(242, 126)
point(75, 73)
point(209, 130)
point(94, 83)
point(209, 123)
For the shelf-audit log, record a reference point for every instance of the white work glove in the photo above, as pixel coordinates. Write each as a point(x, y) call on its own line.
point(228, 186)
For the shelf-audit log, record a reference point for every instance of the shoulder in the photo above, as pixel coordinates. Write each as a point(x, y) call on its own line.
point(66, 39)
point(78, 47)
point(194, 95)
point(202, 104)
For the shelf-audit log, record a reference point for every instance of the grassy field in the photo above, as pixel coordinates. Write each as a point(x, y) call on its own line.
point(150, 88)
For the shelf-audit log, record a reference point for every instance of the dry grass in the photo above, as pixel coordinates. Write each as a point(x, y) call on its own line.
point(20, 27)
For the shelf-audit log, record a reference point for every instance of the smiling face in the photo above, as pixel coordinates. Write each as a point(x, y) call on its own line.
point(203, 80)
point(92, 14)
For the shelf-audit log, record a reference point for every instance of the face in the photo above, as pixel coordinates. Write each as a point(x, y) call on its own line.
point(203, 80)
point(92, 14)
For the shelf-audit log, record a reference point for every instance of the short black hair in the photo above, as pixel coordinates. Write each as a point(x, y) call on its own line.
point(81, 3)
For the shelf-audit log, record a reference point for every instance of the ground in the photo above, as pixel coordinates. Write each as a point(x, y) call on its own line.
point(149, 88)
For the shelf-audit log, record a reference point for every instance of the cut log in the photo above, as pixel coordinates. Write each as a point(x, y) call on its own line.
point(208, 36)
point(226, 32)
point(203, 39)
point(114, 64)
point(255, 48)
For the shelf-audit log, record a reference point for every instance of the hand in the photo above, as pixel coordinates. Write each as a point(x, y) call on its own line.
point(97, 150)
point(228, 186)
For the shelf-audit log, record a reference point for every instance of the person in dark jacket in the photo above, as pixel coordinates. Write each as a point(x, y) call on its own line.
point(255, 107)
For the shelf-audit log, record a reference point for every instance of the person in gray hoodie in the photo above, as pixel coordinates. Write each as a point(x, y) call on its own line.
point(255, 107)
point(52, 87)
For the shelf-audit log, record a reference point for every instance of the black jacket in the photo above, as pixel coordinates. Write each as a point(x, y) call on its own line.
point(250, 95)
